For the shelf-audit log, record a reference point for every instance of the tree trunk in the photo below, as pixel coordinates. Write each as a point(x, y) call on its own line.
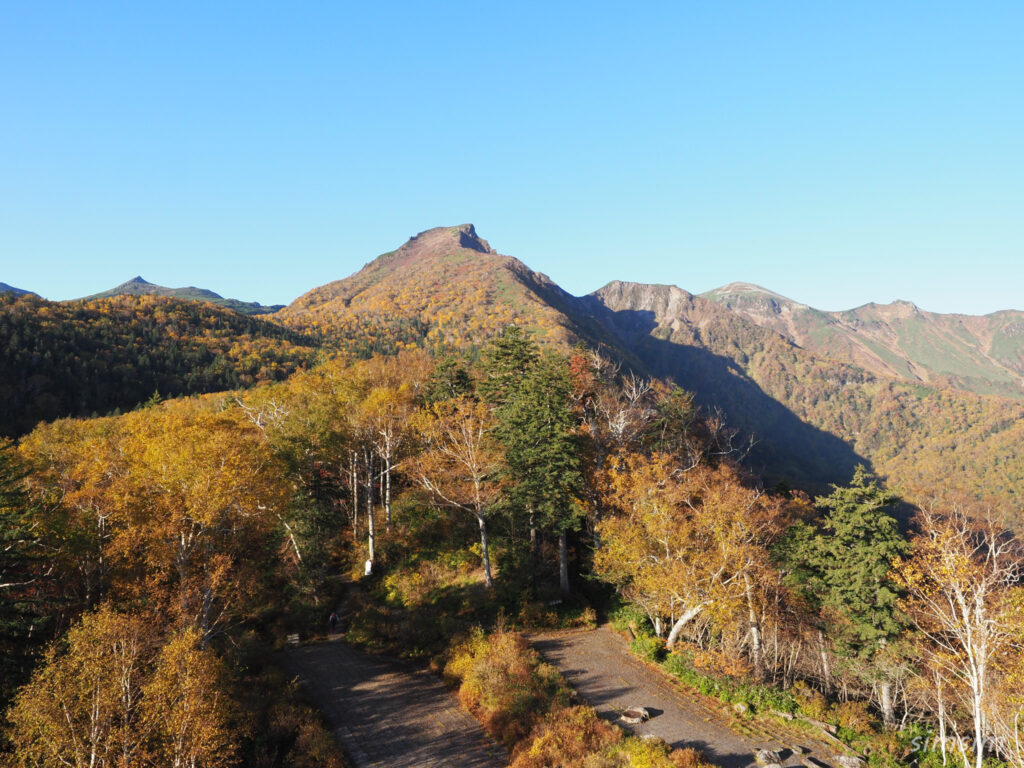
point(387, 493)
point(942, 717)
point(826, 668)
point(979, 728)
point(534, 548)
point(681, 622)
point(204, 620)
point(563, 564)
point(887, 704)
point(756, 644)
point(372, 531)
point(485, 554)
point(354, 478)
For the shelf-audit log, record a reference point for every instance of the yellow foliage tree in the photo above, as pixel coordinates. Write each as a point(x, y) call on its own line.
point(962, 593)
point(682, 544)
point(184, 708)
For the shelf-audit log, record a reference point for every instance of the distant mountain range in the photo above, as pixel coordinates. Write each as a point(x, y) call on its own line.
point(139, 287)
point(981, 354)
point(930, 401)
point(82, 358)
point(813, 416)
point(5, 288)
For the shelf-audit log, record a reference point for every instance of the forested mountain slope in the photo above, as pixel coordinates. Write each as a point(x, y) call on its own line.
point(745, 351)
point(921, 437)
point(981, 354)
point(77, 358)
point(813, 418)
point(139, 287)
point(5, 288)
point(444, 287)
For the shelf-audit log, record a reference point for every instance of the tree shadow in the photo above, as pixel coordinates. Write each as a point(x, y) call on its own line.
point(786, 449)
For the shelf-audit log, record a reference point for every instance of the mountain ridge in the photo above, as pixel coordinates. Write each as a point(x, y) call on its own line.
point(5, 288)
point(813, 417)
point(978, 353)
point(444, 286)
point(60, 359)
point(138, 286)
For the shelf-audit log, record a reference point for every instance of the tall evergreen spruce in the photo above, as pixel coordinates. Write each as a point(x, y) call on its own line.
point(531, 394)
point(507, 359)
point(842, 569)
point(450, 379)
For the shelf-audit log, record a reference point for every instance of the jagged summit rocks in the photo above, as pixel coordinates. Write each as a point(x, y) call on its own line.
point(465, 234)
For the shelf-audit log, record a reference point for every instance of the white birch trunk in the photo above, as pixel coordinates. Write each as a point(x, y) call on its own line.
point(681, 622)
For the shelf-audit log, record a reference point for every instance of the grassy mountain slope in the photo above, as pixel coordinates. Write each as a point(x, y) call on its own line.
point(78, 358)
point(981, 354)
point(139, 287)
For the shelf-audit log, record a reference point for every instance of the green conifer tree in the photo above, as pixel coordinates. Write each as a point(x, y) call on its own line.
point(841, 567)
point(535, 424)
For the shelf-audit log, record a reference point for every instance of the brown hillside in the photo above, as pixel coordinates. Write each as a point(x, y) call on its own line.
point(923, 438)
point(444, 287)
point(983, 354)
point(813, 418)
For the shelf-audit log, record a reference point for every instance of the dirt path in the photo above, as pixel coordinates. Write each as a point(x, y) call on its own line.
point(387, 713)
point(600, 666)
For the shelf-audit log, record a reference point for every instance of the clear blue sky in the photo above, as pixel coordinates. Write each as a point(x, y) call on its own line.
point(836, 153)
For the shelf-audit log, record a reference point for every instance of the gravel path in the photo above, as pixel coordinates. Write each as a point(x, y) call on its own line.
point(388, 713)
point(600, 666)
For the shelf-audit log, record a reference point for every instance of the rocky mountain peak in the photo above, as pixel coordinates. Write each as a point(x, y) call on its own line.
point(136, 282)
point(747, 294)
point(464, 236)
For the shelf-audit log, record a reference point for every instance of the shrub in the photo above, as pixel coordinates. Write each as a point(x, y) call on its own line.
point(853, 716)
point(648, 647)
point(504, 684)
point(579, 617)
point(630, 617)
point(420, 583)
point(688, 757)
point(524, 703)
point(634, 752)
point(536, 615)
point(810, 701)
point(566, 739)
point(761, 697)
point(889, 750)
point(283, 728)
point(720, 662)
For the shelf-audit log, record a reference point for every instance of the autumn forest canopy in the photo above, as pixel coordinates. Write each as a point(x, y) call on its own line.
point(456, 449)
